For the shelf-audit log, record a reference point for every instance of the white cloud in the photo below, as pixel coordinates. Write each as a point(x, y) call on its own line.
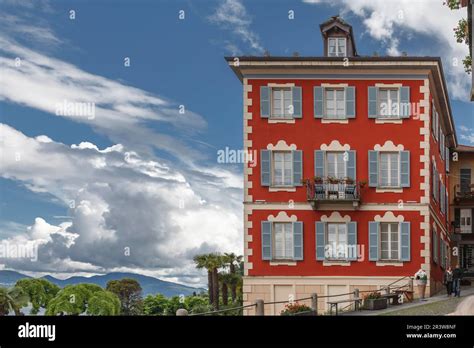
point(232, 15)
point(164, 215)
point(389, 22)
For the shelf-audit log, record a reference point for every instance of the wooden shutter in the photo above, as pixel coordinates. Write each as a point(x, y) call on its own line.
point(265, 167)
point(372, 102)
point(318, 102)
point(319, 159)
point(297, 167)
point(405, 168)
point(350, 102)
point(405, 106)
point(374, 240)
point(298, 240)
point(405, 241)
point(320, 240)
point(265, 101)
point(351, 164)
point(297, 102)
point(373, 168)
point(352, 240)
point(266, 240)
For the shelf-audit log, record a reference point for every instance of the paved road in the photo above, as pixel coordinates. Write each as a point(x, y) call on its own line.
point(466, 307)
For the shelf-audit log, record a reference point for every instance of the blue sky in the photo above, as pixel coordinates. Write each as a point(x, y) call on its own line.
point(153, 192)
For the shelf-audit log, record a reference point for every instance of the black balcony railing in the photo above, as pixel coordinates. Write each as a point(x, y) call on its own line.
point(332, 191)
point(464, 194)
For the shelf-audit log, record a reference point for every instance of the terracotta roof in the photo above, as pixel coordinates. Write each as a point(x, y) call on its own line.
point(464, 148)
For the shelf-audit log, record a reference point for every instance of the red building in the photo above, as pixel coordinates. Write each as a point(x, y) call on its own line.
point(350, 183)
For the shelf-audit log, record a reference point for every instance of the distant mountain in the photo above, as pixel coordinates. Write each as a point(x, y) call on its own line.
point(150, 285)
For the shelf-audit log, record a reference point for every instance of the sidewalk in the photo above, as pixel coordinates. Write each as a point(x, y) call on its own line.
point(465, 292)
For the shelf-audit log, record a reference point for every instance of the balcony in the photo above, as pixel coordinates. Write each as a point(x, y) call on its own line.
point(333, 191)
point(464, 195)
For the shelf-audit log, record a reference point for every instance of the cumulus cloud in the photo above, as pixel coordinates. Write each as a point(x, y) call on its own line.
point(391, 22)
point(129, 212)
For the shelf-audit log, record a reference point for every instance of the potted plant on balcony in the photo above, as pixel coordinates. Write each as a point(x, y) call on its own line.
point(333, 180)
point(349, 181)
point(374, 301)
point(421, 279)
point(318, 180)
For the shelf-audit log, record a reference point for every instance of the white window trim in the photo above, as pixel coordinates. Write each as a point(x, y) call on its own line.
point(390, 243)
point(326, 163)
point(325, 113)
point(337, 38)
point(460, 219)
point(282, 117)
point(281, 187)
point(284, 260)
point(385, 188)
point(336, 259)
point(384, 118)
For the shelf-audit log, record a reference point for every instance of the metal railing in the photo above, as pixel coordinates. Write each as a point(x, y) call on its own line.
point(332, 190)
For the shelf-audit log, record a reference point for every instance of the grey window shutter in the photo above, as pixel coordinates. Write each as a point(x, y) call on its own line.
point(433, 115)
point(319, 159)
point(297, 103)
point(298, 240)
point(373, 240)
point(405, 241)
point(265, 167)
point(434, 243)
point(266, 240)
point(350, 102)
point(352, 240)
point(318, 102)
point(433, 180)
point(320, 240)
point(297, 167)
point(373, 168)
point(405, 168)
point(405, 106)
point(447, 155)
point(351, 164)
point(264, 101)
point(372, 102)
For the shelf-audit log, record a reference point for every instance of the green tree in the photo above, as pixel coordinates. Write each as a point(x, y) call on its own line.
point(155, 305)
point(461, 33)
point(39, 291)
point(129, 292)
point(205, 261)
point(12, 300)
point(103, 303)
point(76, 299)
point(233, 260)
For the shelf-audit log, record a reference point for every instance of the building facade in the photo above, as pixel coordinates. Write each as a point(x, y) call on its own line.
point(462, 207)
point(350, 187)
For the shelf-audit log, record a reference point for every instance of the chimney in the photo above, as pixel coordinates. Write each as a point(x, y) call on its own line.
point(338, 38)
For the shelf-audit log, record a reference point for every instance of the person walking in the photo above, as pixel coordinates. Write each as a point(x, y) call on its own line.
point(457, 275)
point(448, 281)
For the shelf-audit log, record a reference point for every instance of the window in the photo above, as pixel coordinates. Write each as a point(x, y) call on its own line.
point(337, 47)
point(335, 103)
point(465, 180)
point(389, 241)
point(282, 169)
point(389, 169)
point(283, 248)
point(388, 103)
point(337, 240)
point(466, 220)
point(336, 166)
point(282, 103)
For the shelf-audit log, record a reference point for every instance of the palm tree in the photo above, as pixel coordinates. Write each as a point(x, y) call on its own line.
point(232, 259)
point(216, 262)
point(12, 300)
point(204, 261)
point(226, 279)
